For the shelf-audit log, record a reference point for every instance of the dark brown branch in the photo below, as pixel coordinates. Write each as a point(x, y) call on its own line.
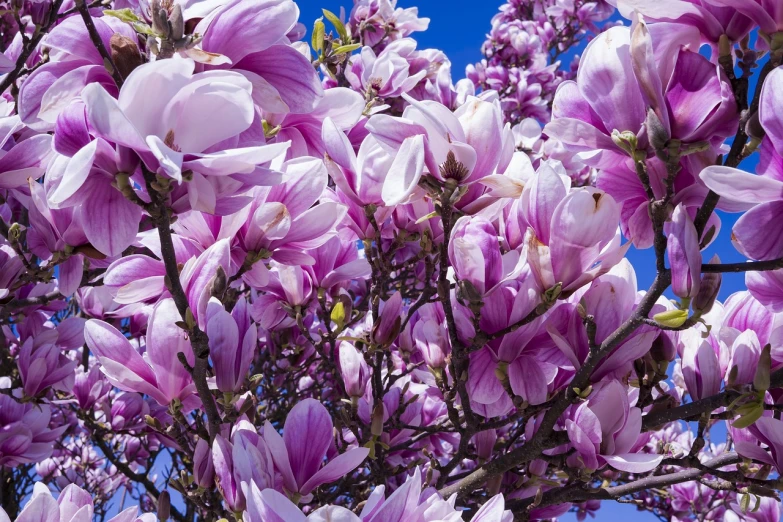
point(198, 338)
point(694, 409)
point(750, 266)
point(17, 304)
point(581, 492)
point(108, 63)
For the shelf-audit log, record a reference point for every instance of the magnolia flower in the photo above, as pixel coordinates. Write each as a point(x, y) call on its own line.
point(72, 505)
point(153, 374)
point(571, 236)
point(463, 146)
point(684, 254)
point(638, 69)
point(607, 429)
point(174, 118)
point(708, 16)
point(252, 34)
point(25, 436)
point(386, 75)
point(299, 453)
point(232, 343)
point(74, 63)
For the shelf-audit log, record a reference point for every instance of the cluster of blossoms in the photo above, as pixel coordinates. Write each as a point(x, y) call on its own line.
point(522, 50)
point(249, 278)
point(522, 64)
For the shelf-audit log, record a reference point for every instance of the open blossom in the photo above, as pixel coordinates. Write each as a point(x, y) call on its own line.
point(25, 436)
point(299, 453)
point(464, 146)
point(72, 504)
point(175, 130)
point(387, 74)
point(638, 69)
point(708, 16)
point(375, 21)
point(152, 374)
point(253, 35)
point(73, 64)
point(561, 248)
point(606, 429)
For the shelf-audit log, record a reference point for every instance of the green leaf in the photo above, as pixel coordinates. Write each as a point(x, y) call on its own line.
point(338, 314)
point(143, 28)
point(762, 377)
point(318, 36)
point(749, 418)
point(126, 15)
point(671, 318)
point(338, 24)
point(347, 48)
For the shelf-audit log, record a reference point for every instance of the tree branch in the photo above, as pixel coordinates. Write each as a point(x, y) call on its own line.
point(108, 63)
point(748, 266)
point(579, 492)
point(198, 338)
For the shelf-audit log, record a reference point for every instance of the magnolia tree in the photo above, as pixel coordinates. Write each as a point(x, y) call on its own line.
point(245, 276)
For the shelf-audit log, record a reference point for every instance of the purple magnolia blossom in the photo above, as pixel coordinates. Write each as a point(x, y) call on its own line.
point(767, 14)
point(153, 374)
point(72, 505)
point(386, 75)
point(354, 370)
point(232, 343)
point(684, 255)
point(299, 453)
point(765, 431)
point(376, 22)
point(701, 369)
point(283, 222)
point(253, 36)
point(708, 16)
point(607, 429)
point(166, 132)
point(464, 146)
point(74, 63)
point(638, 68)
point(474, 252)
point(560, 248)
point(25, 436)
point(272, 506)
point(23, 160)
point(43, 364)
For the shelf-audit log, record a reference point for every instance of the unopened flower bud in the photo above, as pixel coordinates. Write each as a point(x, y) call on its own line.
point(724, 45)
point(203, 468)
point(708, 291)
point(376, 427)
point(176, 23)
point(663, 349)
point(761, 380)
point(125, 54)
point(164, 505)
point(656, 132)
